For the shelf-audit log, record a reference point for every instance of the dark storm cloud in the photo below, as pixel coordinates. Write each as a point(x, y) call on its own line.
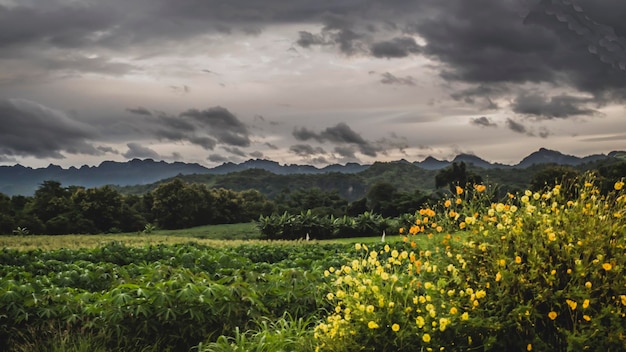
point(206, 128)
point(31, 129)
point(207, 143)
point(139, 111)
point(489, 41)
point(346, 152)
point(60, 25)
point(221, 124)
point(483, 122)
point(560, 106)
point(304, 134)
point(306, 150)
point(217, 158)
point(481, 95)
point(389, 78)
point(339, 134)
point(137, 151)
point(308, 39)
point(395, 48)
point(515, 126)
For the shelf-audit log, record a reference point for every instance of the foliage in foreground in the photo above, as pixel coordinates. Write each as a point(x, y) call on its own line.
point(157, 297)
point(539, 272)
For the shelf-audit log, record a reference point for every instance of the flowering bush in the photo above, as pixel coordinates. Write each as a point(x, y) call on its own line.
point(536, 271)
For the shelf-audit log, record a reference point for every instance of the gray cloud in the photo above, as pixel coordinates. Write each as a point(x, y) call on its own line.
point(306, 150)
point(339, 134)
point(395, 48)
point(389, 78)
point(221, 124)
point(516, 126)
point(235, 151)
point(549, 43)
point(304, 134)
point(345, 152)
point(139, 111)
point(137, 151)
point(580, 43)
point(308, 39)
point(31, 129)
point(256, 154)
point(105, 149)
point(483, 121)
point(561, 106)
point(217, 158)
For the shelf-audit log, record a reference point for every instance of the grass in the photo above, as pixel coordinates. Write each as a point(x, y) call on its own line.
point(242, 231)
point(210, 235)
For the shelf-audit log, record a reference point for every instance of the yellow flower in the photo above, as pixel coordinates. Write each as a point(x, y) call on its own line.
point(518, 259)
point(419, 321)
point(369, 308)
point(623, 298)
point(588, 284)
point(552, 315)
point(395, 327)
point(459, 190)
point(529, 347)
point(572, 304)
point(447, 203)
point(453, 310)
point(586, 317)
point(357, 246)
point(458, 201)
point(607, 266)
point(330, 296)
point(480, 188)
point(372, 325)
point(618, 185)
point(498, 276)
point(464, 316)
point(426, 338)
point(586, 303)
point(502, 262)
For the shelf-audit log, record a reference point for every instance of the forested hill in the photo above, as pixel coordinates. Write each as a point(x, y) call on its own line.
point(405, 177)
point(270, 177)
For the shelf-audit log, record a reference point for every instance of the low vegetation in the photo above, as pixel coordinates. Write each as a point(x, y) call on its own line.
point(537, 270)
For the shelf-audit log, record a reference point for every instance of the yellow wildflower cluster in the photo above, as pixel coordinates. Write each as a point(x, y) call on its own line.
point(410, 293)
point(517, 253)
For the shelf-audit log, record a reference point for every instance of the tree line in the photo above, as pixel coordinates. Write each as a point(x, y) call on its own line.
point(55, 209)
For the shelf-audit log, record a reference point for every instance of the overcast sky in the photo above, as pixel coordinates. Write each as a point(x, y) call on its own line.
point(309, 81)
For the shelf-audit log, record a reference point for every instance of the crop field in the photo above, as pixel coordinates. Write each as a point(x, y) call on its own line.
point(537, 271)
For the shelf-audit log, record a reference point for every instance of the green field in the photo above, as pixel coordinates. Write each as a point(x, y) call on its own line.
point(540, 272)
point(210, 235)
